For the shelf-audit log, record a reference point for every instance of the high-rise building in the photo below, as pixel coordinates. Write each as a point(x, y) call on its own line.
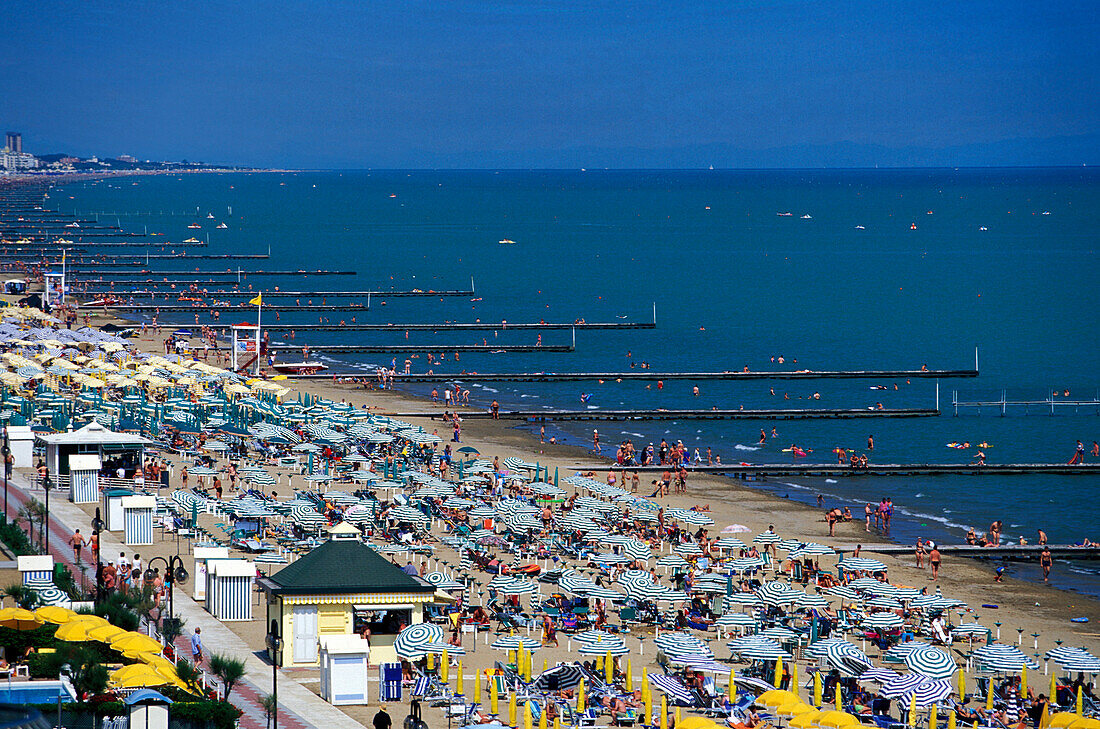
point(14, 142)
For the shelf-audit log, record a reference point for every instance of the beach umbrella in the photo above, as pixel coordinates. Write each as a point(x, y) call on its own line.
point(878, 675)
point(55, 614)
point(105, 633)
point(882, 620)
point(417, 640)
point(563, 677)
point(777, 593)
point(768, 537)
point(746, 564)
point(970, 630)
point(902, 685)
point(811, 602)
point(512, 585)
point(847, 658)
point(615, 646)
point(731, 620)
point(882, 602)
point(19, 619)
point(861, 564)
point(930, 662)
point(516, 642)
point(729, 543)
point(695, 518)
point(134, 642)
point(682, 645)
point(1003, 658)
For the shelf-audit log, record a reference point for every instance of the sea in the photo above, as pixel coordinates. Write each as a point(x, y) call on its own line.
point(853, 269)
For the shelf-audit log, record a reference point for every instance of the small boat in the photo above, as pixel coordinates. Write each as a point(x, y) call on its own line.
point(785, 215)
point(192, 240)
point(506, 242)
point(299, 368)
point(210, 216)
point(983, 228)
point(194, 225)
point(860, 227)
point(807, 216)
point(73, 225)
point(913, 226)
point(221, 226)
point(1046, 212)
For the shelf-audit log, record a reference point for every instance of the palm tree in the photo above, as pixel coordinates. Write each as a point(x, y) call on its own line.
point(229, 669)
point(23, 596)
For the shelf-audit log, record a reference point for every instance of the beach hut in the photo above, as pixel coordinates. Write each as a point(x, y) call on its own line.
point(35, 567)
point(229, 589)
point(84, 478)
point(344, 665)
point(137, 518)
point(202, 554)
point(148, 709)
point(112, 508)
point(21, 442)
point(338, 584)
point(124, 450)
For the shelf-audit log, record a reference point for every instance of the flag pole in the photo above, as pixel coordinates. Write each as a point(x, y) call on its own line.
point(259, 304)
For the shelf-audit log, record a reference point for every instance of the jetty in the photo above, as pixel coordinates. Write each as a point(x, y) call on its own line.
point(238, 293)
point(746, 470)
point(1050, 405)
point(1004, 552)
point(653, 375)
point(425, 348)
point(215, 274)
point(644, 415)
point(454, 326)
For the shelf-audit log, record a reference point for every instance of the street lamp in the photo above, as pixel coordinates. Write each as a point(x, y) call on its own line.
point(46, 485)
point(5, 451)
point(275, 645)
point(174, 571)
point(97, 527)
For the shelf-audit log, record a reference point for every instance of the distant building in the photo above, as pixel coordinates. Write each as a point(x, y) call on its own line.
point(126, 158)
point(13, 142)
point(17, 161)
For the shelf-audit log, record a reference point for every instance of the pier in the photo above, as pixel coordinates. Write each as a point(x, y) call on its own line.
point(646, 415)
point(653, 376)
point(238, 272)
point(745, 470)
point(1049, 406)
point(237, 293)
point(454, 326)
point(424, 348)
point(1005, 552)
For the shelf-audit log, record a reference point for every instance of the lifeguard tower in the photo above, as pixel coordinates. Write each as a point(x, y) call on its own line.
point(246, 347)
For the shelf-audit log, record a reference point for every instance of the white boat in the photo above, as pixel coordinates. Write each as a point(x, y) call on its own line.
point(299, 368)
point(807, 216)
point(192, 240)
point(860, 227)
point(506, 242)
point(210, 216)
point(785, 215)
point(194, 225)
point(73, 225)
point(983, 228)
point(222, 226)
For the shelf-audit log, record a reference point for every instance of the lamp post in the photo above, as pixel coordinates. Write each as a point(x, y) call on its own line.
point(43, 533)
point(6, 452)
point(275, 644)
point(97, 527)
point(173, 571)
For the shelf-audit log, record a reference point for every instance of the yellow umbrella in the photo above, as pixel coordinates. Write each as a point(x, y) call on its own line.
point(775, 697)
point(135, 642)
point(458, 680)
point(477, 686)
point(1023, 680)
point(1085, 723)
point(19, 619)
point(55, 614)
point(933, 718)
point(74, 631)
point(962, 684)
point(913, 711)
point(952, 720)
point(1062, 719)
point(695, 722)
point(134, 669)
point(1053, 688)
point(580, 697)
point(512, 709)
point(836, 719)
point(817, 688)
point(542, 719)
point(664, 711)
point(1078, 704)
point(629, 685)
point(528, 723)
point(443, 666)
point(794, 678)
point(779, 673)
point(609, 668)
point(794, 708)
point(837, 700)
point(90, 621)
point(105, 633)
point(143, 680)
point(494, 698)
point(805, 721)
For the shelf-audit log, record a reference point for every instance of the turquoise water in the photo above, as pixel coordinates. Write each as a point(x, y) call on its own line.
point(37, 692)
point(734, 284)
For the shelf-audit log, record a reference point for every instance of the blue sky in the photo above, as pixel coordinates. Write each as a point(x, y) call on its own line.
point(532, 84)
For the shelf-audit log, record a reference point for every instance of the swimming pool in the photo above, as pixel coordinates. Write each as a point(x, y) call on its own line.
point(33, 692)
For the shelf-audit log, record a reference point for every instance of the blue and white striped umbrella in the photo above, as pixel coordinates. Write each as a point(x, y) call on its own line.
point(930, 662)
point(925, 691)
point(512, 585)
point(417, 640)
point(882, 620)
point(515, 642)
point(682, 644)
point(729, 543)
point(616, 647)
point(695, 518)
point(967, 630)
point(861, 564)
point(768, 537)
point(777, 593)
point(878, 675)
point(746, 564)
point(901, 685)
point(1002, 658)
point(731, 620)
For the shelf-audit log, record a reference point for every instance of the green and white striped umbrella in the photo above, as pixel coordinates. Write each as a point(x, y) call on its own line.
point(882, 620)
point(930, 662)
point(515, 642)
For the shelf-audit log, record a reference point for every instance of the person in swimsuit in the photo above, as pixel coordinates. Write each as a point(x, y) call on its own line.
point(1046, 561)
point(934, 561)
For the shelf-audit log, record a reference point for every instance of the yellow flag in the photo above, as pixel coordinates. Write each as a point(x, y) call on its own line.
point(258, 300)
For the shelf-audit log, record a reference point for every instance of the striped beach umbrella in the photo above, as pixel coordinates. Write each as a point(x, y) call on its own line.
point(777, 593)
point(882, 620)
point(768, 537)
point(729, 543)
point(1003, 658)
point(747, 564)
point(694, 518)
point(682, 644)
point(968, 630)
point(930, 662)
point(861, 564)
point(515, 642)
point(512, 585)
point(616, 647)
point(416, 641)
point(735, 620)
point(564, 677)
point(879, 675)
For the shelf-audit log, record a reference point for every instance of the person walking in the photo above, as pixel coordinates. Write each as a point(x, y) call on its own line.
point(77, 542)
point(934, 560)
point(1046, 561)
point(196, 647)
point(382, 719)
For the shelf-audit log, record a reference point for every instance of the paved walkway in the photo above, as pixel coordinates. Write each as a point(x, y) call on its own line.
point(295, 701)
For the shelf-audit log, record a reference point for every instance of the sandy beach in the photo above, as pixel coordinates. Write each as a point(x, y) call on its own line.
point(1022, 608)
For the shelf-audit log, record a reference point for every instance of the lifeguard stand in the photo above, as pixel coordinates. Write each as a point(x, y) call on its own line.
point(246, 344)
point(54, 294)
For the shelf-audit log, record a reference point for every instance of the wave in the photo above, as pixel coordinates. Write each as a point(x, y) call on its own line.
point(830, 480)
point(741, 447)
point(636, 435)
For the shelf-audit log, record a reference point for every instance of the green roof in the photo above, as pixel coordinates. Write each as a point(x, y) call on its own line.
point(342, 566)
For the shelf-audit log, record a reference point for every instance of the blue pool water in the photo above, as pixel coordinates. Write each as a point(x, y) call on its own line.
point(33, 692)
